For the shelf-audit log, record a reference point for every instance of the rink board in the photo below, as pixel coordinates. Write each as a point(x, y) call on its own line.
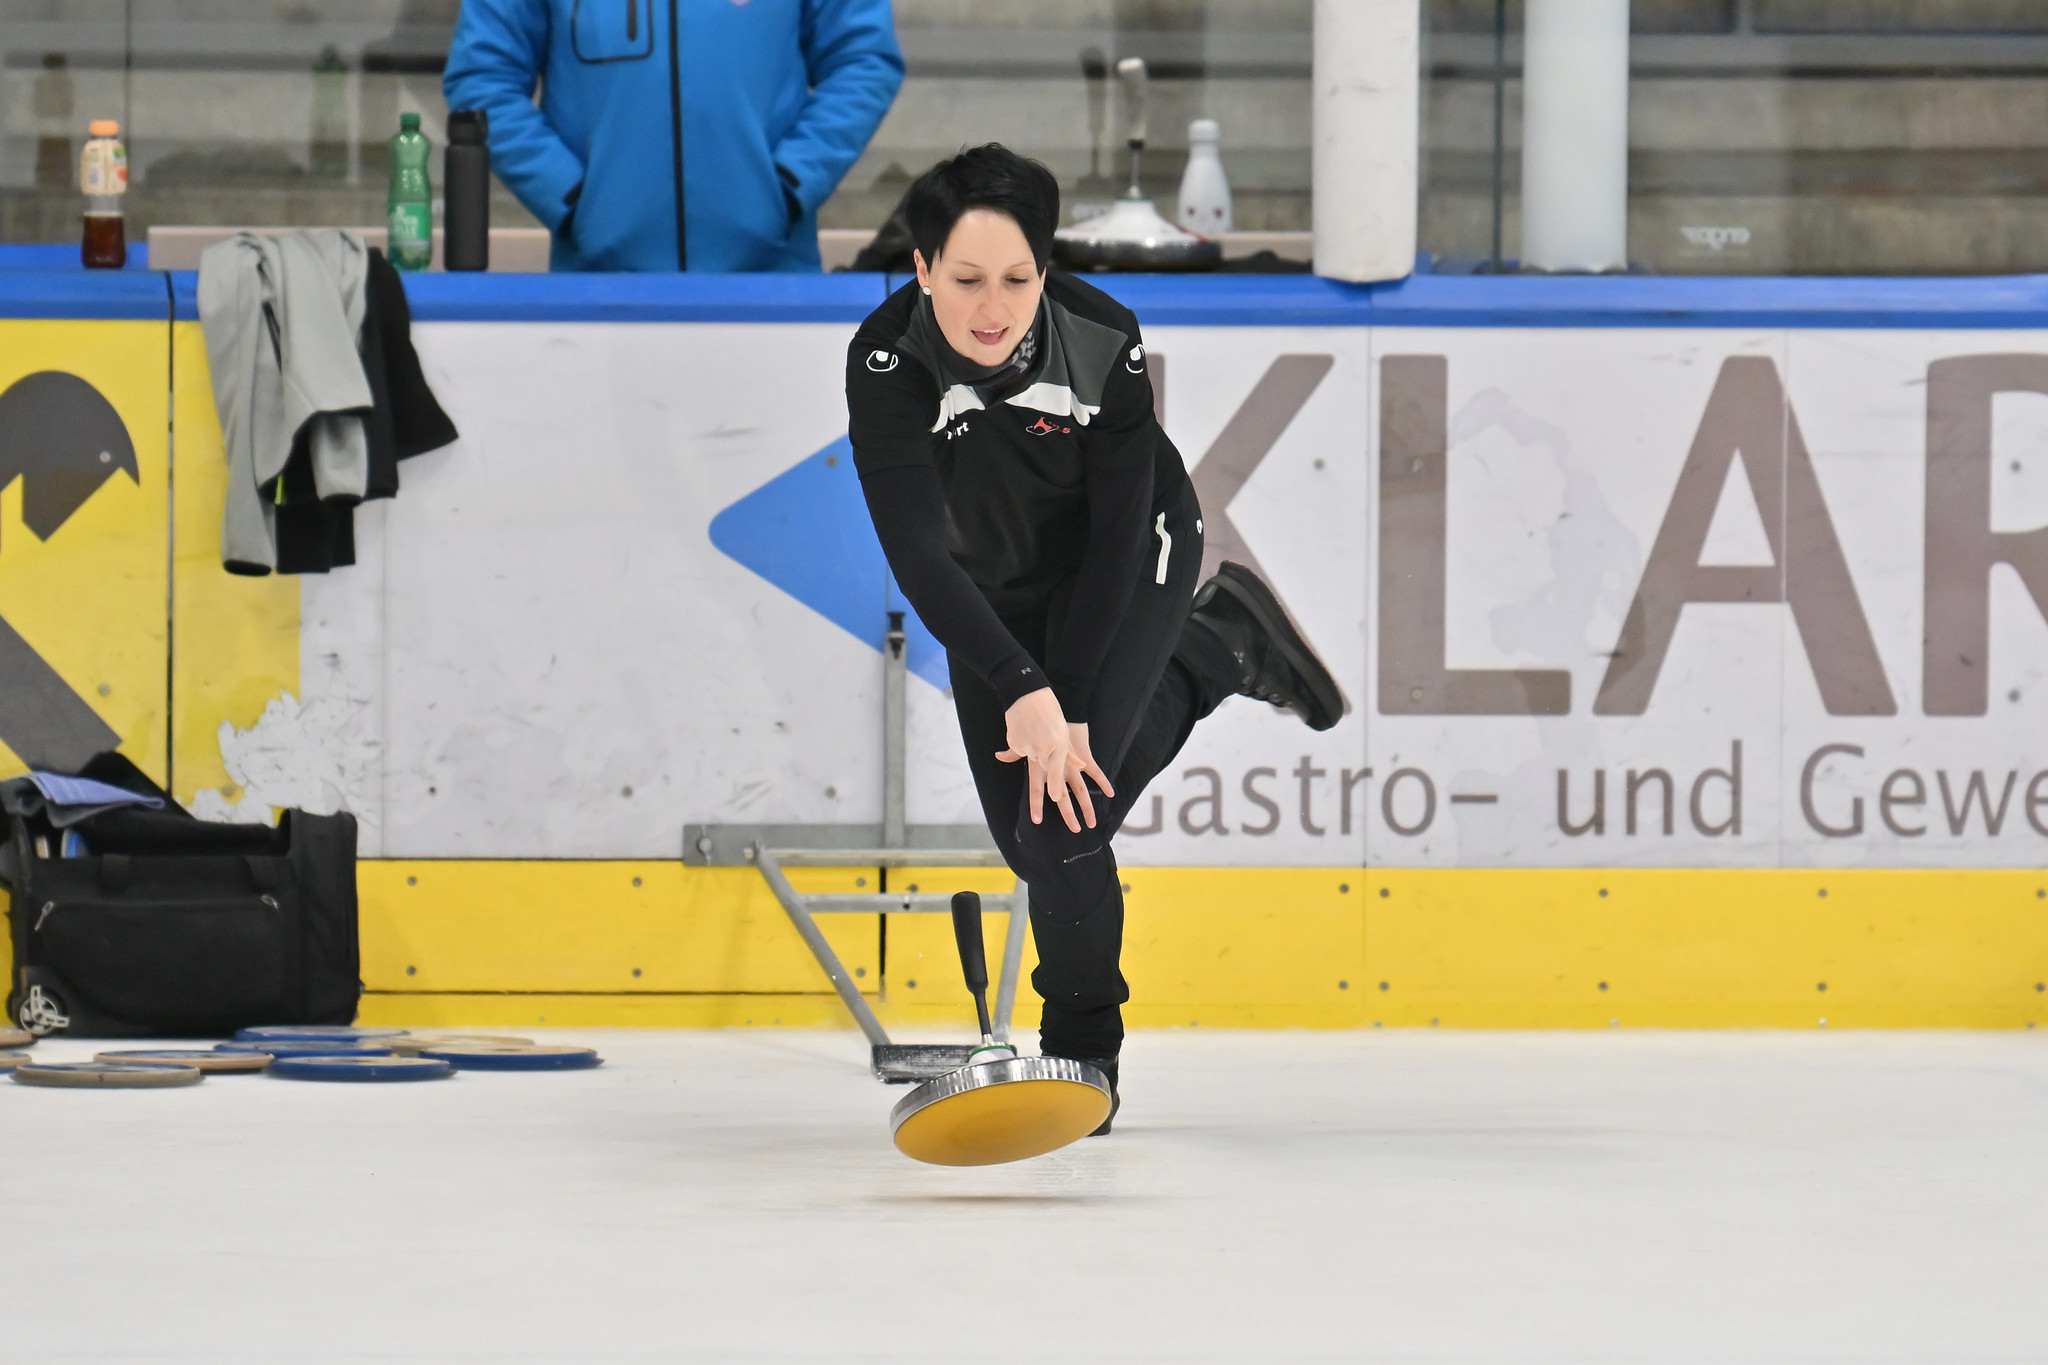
point(1627, 583)
point(1599, 597)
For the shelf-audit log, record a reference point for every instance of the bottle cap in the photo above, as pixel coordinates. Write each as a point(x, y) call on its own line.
point(1204, 130)
point(409, 123)
point(104, 127)
point(468, 128)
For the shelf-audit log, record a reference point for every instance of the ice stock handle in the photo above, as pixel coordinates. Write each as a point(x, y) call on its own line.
point(973, 959)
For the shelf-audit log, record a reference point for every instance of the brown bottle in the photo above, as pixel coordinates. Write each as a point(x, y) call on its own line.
point(103, 175)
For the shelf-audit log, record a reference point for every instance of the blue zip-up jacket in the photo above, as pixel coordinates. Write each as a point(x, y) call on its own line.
point(683, 134)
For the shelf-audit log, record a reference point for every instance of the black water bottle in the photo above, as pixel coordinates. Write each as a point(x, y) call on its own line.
point(466, 181)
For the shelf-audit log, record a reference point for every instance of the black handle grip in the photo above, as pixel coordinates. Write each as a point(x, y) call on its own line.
point(967, 933)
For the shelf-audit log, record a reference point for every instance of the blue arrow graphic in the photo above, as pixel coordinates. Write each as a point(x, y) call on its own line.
point(807, 531)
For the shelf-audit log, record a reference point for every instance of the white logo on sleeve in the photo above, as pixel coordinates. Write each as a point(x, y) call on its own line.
point(1136, 363)
point(881, 362)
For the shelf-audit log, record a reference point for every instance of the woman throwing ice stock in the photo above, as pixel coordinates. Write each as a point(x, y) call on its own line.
point(1046, 531)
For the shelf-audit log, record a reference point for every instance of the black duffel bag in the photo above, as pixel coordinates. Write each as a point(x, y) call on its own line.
point(168, 926)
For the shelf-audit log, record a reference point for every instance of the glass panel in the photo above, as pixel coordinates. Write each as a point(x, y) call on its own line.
point(1037, 75)
point(1796, 136)
point(277, 111)
point(1775, 136)
point(246, 112)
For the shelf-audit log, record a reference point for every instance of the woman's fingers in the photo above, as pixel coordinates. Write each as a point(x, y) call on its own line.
point(1092, 769)
point(1085, 758)
point(1052, 775)
point(1058, 774)
point(1056, 788)
point(1076, 782)
point(1048, 780)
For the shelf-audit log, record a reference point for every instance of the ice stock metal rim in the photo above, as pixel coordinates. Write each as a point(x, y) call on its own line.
point(994, 1073)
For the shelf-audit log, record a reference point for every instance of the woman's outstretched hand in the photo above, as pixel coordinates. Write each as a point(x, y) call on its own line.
point(1058, 755)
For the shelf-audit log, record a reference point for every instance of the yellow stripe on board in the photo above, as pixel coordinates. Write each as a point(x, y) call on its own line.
point(530, 943)
point(486, 1010)
point(1749, 948)
point(598, 928)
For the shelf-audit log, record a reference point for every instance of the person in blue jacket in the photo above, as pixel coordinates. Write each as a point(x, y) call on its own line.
point(676, 134)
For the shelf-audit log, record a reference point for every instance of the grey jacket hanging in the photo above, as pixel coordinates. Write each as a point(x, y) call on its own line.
point(282, 315)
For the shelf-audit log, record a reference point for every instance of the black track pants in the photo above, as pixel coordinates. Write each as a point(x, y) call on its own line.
point(1153, 687)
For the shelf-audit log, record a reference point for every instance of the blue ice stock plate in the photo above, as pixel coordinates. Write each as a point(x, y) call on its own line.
point(333, 1033)
point(517, 1058)
point(332, 1068)
point(311, 1047)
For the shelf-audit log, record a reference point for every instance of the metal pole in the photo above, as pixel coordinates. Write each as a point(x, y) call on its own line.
point(793, 905)
point(1013, 960)
point(1500, 121)
point(895, 676)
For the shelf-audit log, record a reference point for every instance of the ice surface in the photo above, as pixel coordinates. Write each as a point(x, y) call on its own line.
point(1425, 1197)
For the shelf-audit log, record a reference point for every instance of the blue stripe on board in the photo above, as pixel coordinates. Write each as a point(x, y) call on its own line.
point(61, 256)
point(1239, 300)
point(2005, 301)
point(135, 294)
point(1963, 303)
point(184, 294)
point(464, 297)
point(841, 298)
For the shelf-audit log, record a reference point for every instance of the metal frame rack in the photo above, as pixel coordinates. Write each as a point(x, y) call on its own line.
point(894, 843)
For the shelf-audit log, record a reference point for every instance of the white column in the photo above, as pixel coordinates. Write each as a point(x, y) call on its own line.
point(1367, 113)
point(1575, 135)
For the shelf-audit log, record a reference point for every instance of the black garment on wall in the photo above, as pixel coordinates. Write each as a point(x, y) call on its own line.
point(404, 420)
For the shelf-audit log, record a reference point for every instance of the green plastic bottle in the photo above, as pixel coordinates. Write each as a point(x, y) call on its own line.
point(411, 202)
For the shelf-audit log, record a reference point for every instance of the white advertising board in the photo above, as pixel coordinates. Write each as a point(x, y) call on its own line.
point(1598, 597)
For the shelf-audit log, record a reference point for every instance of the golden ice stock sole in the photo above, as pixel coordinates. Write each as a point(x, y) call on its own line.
point(1001, 1111)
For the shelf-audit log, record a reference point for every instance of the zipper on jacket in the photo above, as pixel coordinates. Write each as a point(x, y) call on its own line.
point(48, 906)
point(675, 118)
point(632, 21)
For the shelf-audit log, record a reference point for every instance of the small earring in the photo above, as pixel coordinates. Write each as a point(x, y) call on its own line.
point(927, 288)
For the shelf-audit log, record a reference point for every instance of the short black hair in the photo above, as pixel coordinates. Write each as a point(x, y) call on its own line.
point(986, 177)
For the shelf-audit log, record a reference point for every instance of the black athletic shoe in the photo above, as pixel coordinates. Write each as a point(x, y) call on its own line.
point(1274, 663)
point(1107, 1066)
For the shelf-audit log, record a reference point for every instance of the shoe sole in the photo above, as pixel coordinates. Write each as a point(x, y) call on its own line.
point(1255, 597)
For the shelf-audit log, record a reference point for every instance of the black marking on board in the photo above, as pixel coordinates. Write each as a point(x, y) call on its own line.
point(46, 723)
point(63, 439)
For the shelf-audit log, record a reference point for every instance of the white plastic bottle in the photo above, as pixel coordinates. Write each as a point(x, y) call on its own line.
point(1204, 190)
